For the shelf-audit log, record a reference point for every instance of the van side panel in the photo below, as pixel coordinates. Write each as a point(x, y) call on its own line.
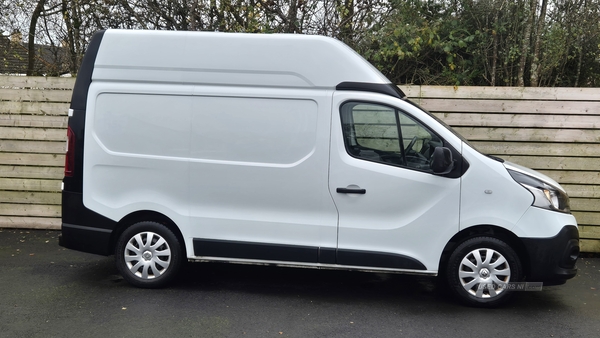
point(258, 170)
point(241, 166)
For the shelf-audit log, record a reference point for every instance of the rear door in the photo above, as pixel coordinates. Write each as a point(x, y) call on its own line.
point(393, 211)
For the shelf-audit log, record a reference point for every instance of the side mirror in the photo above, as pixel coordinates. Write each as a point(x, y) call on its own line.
point(441, 161)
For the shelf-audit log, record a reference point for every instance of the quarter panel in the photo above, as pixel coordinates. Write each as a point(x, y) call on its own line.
point(136, 146)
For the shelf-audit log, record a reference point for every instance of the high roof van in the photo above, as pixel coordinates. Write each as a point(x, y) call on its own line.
point(292, 150)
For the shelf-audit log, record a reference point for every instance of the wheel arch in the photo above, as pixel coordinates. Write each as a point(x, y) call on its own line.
point(142, 216)
point(486, 230)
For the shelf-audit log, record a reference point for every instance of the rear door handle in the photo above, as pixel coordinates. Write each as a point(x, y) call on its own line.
point(351, 191)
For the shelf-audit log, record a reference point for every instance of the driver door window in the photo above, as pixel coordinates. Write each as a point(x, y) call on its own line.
point(382, 134)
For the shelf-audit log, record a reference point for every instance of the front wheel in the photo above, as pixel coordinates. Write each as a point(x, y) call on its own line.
point(480, 270)
point(148, 255)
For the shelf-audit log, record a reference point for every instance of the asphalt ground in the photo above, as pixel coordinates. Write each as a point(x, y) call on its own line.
point(49, 291)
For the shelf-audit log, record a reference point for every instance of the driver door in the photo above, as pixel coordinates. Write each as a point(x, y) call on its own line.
point(393, 211)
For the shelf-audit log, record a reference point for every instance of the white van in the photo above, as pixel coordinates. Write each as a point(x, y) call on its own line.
point(291, 150)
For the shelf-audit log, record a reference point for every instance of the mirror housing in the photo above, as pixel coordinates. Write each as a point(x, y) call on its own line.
point(441, 161)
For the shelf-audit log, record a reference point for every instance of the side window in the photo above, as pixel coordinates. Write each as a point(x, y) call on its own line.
point(382, 134)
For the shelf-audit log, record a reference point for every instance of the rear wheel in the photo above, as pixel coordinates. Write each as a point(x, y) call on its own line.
point(480, 269)
point(148, 255)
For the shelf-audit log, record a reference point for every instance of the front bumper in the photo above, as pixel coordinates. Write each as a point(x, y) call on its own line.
point(552, 260)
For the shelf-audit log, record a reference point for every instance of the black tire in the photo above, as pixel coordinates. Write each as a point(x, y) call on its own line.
point(480, 268)
point(148, 255)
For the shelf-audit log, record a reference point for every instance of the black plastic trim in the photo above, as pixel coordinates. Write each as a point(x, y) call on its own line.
point(84, 76)
point(74, 212)
point(83, 229)
point(249, 250)
point(78, 105)
point(381, 88)
point(85, 239)
point(553, 259)
point(327, 255)
point(495, 158)
point(378, 259)
point(304, 254)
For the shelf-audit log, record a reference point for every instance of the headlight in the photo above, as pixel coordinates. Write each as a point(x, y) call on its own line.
point(545, 195)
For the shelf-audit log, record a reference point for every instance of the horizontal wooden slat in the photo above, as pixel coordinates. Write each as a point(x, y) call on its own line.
point(23, 184)
point(589, 245)
point(503, 93)
point(586, 231)
point(544, 149)
point(520, 120)
point(7, 171)
point(585, 204)
point(40, 121)
point(37, 82)
point(412, 92)
point(581, 190)
point(35, 210)
point(532, 135)
point(587, 218)
point(556, 163)
point(52, 160)
point(512, 106)
point(11, 171)
point(35, 95)
point(36, 108)
point(573, 177)
point(22, 197)
point(30, 222)
point(45, 134)
point(18, 146)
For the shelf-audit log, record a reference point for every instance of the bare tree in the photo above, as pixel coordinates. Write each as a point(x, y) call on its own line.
point(31, 39)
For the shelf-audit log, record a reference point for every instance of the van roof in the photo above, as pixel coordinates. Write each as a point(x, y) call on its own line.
point(279, 60)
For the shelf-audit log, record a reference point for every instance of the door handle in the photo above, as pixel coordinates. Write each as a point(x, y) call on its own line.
point(351, 191)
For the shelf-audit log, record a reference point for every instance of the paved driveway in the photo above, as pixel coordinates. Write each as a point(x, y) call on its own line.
point(48, 291)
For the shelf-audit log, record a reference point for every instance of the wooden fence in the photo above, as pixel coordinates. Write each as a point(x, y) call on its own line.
point(553, 130)
point(33, 121)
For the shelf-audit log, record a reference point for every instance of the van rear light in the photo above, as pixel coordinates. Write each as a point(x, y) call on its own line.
point(70, 156)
